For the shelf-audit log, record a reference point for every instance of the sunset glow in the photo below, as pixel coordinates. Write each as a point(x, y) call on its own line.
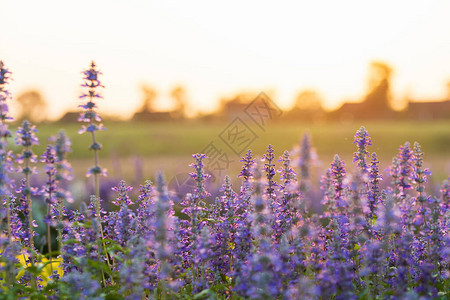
point(217, 50)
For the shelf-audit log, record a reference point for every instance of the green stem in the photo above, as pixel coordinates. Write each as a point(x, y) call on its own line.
point(7, 198)
point(30, 214)
point(59, 229)
point(8, 218)
point(49, 239)
point(97, 199)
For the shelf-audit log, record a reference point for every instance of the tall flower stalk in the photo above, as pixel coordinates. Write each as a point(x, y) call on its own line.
point(420, 179)
point(162, 222)
point(200, 193)
point(92, 124)
point(63, 174)
point(25, 137)
point(4, 135)
point(374, 194)
point(50, 193)
point(92, 120)
point(362, 141)
point(306, 159)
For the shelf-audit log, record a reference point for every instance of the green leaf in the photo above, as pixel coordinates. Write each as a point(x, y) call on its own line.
point(113, 296)
point(203, 294)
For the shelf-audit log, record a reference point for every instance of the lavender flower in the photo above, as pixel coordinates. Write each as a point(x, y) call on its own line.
point(10, 250)
point(26, 232)
point(373, 196)
point(260, 243)
point(359, 228)
point(362, 139)
point(72, 247)
point(62, 148)
point(259, 278)
point(145, 211)
point(339, 266)
point(225, 213)
point(122, 224)
point(202, 260)
point(50, 192)
point(51, 185)
point(4, 109)
point(269, 169)
point(199, 176)
point(304, 162)
point(287, 173)
point(5, 156)
point(404, 170)
point(327, 188)
point(247, 175)
point(196, 209)
point(338, 174)
point(122, 199)
point(242, 239)
point(92, 119)
point(25, 137)
point(5, 76)
point(81, 286)
point(162, 224)
point(246, 172)
point(285, 205)
point(62, 176)
point(374, 265)
point(420, 178)
point(132, 270)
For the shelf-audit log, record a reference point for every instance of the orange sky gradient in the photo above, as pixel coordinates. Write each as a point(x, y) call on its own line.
point(217, 49)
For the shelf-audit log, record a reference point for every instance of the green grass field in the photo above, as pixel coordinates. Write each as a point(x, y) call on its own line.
point(168, 146)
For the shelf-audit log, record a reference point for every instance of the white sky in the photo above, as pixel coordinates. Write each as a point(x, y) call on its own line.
point(216, 49)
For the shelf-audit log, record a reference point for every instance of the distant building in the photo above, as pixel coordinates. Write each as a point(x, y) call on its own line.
point(234, 107)
point(421, 111)
point(429, 110)
point(153, 116)
point(70, 117)
point(361, 110)
point(376, 103)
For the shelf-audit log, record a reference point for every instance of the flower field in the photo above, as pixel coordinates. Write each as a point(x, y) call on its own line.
point(361, 234)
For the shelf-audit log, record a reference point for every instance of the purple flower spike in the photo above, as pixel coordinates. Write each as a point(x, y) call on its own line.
point(50, 189)
point(5, 76)
point(122, 199)
point(338, 174)
point(362, 140)
point(199, 176)
point(91, 119)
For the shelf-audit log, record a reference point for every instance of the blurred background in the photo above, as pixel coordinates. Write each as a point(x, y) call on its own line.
point(181, 76)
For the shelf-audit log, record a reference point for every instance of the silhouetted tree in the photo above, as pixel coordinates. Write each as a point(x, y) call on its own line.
point(307, 107)
point(32, 106)
point(150, 95)
point(309, 100)
point(179, 95)
point(378, 98)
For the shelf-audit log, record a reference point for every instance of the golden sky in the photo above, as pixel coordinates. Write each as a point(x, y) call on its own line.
point(216, 49)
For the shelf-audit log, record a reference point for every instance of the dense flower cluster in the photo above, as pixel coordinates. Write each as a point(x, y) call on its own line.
point(263, 241)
